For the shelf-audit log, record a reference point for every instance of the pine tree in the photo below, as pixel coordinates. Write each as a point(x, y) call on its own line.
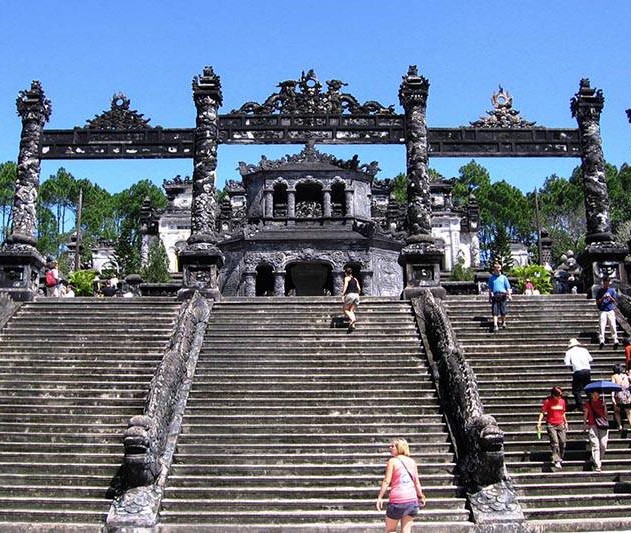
point(500, 251)
point(157, 268)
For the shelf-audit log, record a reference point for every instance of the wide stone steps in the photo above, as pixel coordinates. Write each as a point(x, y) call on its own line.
point(291, 418)
point(66, 394)
point(515, 369)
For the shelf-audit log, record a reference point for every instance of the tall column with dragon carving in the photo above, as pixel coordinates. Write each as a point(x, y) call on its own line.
point(20, 262)
point(422, 255)
point(202, 259)
point(602, 255)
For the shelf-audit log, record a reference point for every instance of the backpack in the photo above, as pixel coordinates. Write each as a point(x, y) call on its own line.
point(50, 279)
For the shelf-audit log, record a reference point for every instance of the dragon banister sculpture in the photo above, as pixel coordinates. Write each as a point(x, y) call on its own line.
point(479, 439)
point(150, 438)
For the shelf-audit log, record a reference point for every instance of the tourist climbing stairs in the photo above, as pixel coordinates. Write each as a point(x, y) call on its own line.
point(288, 421)
point(72, 373)
point(516, 368)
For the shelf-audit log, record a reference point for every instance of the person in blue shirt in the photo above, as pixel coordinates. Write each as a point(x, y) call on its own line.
point(499, 296)
point(606, 298)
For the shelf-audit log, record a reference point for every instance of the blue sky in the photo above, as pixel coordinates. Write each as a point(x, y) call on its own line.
point(85, 51)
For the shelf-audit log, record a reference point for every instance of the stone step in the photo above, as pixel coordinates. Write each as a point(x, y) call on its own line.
point(314, 393)
point(428, 409)
point(369, 480)
point(55, 434)
point(601, 522)
point(211, 520)
point(58, 467)
point(321, 362)
point(100, 411)
point(49, 458)
point(582, 511)
point(282, 448)
point(338, 425)
point(350, 492)
point(257, 351)
point(82, 520)
point(562, 489)
point(286, 458)
point(325, 503)
point(340, 438)
point(305, 469)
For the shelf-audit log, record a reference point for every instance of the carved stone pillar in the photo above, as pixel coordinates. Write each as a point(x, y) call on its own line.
point(587, 106)
point(602, 255)
point(249, 283)
point(413, 97)
point(279, 283)
point(338, 282)
point(326, 203)
point(202, 260)
point(423, 254)
point(269, 204)
point(366, 276)
point(546, 248)
point(20, 262)
point(349, 195)
point(291, 204)
point(34, 110)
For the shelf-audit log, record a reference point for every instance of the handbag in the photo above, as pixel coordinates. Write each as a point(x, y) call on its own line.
point(602, 422)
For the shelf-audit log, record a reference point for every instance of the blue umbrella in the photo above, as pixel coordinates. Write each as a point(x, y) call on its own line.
point(603, 386)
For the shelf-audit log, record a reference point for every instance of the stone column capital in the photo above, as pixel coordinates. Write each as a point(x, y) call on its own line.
point(207, 89)
point(32, 104)
point(414, 89)
point(587, 103)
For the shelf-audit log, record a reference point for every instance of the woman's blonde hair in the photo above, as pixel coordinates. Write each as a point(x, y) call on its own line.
point(401, 445)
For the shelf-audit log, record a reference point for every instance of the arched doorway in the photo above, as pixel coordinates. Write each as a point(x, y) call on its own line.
point(308, 279)
point(264, 280)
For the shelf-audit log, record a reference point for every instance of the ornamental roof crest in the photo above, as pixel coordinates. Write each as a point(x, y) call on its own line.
point(309, 154)
point(119, 117)
point(304, 96)
point(503, 115)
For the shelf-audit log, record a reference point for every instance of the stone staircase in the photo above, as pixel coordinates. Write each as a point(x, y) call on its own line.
point(288, 421)
point(72, 372)
point(516, 368)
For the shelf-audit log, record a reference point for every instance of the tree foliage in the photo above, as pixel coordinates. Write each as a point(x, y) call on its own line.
point(157, 268)
point(8, 176)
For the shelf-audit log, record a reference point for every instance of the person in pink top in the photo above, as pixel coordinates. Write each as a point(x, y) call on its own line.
point(406, 493)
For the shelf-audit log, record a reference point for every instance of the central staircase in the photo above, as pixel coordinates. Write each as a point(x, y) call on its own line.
point(288, 421)
point(516, 368)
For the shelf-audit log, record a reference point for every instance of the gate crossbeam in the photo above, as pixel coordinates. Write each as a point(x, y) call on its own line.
point(82, 143)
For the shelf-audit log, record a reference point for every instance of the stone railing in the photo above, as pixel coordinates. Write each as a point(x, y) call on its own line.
point(479, 440)
point(623, 313)
point(8, 307)
point(150, 438)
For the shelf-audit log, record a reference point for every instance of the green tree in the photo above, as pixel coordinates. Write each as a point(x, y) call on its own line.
point(472, 177)
point(400, 188)
point(562, 208)
point(128, 209)
point(499, 250)
point(58, 193)
point(157, 268)
point(504, 209)
point(619, 188)
point(8, 176)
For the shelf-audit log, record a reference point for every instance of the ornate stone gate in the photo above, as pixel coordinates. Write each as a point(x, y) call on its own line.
point(302, 111)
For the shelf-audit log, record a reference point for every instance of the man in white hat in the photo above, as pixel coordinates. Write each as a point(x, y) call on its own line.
point(579, 359)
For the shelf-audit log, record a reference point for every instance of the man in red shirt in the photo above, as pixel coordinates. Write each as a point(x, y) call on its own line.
point(627, 352)
point(554, 409)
